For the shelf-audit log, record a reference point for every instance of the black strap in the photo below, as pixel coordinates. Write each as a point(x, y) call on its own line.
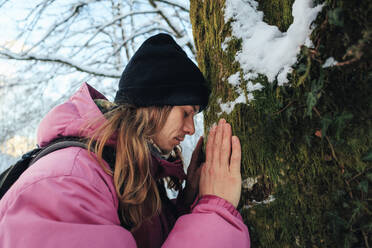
point(108, 153)
point(9, 176)
point(57, 146)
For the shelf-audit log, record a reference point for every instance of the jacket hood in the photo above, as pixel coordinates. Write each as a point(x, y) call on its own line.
point(72, 118)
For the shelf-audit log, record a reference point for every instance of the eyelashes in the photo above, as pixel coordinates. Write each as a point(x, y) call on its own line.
point(187, 114)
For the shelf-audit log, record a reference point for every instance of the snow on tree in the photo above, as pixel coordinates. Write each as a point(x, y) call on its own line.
point(293, 77)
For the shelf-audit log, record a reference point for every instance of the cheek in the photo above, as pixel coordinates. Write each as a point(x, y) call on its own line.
point(169, 133)
point(173, 126)
point(165, 140)
point(164, 136)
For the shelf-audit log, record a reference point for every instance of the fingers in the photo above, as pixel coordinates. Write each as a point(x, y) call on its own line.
point(217, 143)
point(235, 156)
point(222, 149)
point(226, 145)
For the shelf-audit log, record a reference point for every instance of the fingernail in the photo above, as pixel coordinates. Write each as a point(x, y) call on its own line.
point(213, 127)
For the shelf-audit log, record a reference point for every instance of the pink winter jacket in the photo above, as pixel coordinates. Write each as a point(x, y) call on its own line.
point(66, 199)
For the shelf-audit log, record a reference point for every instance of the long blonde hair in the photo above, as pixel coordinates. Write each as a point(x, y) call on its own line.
point(132, 127)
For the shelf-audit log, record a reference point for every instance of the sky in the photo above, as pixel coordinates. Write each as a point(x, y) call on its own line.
point(7, 27)
point(7, 68)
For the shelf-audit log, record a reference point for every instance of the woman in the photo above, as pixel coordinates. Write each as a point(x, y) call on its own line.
point(77, 198)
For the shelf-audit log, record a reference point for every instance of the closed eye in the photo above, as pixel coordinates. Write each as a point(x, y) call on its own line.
point(189, 112)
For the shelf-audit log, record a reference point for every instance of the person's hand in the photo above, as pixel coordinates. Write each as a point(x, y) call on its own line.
point(189, 193)
point(220, 174)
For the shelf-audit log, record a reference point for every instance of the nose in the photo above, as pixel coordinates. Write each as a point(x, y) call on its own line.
point(189, 127)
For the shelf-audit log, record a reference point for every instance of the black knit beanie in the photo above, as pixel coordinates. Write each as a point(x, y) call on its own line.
point(160, 73)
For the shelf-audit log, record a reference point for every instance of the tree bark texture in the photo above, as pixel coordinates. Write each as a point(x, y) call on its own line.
point(306, 146)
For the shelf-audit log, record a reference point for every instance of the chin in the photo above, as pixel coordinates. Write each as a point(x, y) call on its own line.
point(167, 149)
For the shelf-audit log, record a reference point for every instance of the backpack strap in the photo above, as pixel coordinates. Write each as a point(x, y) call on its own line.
point(57, 146)
point(108, 152)
point(10, 175)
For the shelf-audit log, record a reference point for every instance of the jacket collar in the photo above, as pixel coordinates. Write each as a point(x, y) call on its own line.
point(166, 165)
point(162, 168)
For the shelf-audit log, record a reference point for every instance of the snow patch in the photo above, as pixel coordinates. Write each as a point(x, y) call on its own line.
point(329, 62)
point(254, 203)
point(228, 107)
point(250, 75)
point(265, 49)
point(234, 79)
point(253, 87)
point(224, 44)
point(249, 182)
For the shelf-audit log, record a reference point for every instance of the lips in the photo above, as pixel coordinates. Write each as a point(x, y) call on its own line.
point(180, 139)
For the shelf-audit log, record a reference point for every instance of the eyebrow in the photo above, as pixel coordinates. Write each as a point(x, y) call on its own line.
point(195, 110)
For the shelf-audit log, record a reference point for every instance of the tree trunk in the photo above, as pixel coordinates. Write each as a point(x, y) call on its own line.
point(306, 145)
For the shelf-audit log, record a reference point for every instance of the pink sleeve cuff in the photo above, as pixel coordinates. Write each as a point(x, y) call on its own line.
point(217, 201)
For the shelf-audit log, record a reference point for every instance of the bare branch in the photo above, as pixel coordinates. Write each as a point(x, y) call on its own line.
point(3, 2)
point(139, 34)
point(174, 4)
point(60, 60)
point(178, 33)
point(116, 19)
point(75, 11)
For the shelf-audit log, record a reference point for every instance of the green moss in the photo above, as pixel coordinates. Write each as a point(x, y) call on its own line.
point(320, 183)
point(277, 12)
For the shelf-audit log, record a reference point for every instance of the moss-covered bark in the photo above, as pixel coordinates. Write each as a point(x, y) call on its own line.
point(308, 143)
